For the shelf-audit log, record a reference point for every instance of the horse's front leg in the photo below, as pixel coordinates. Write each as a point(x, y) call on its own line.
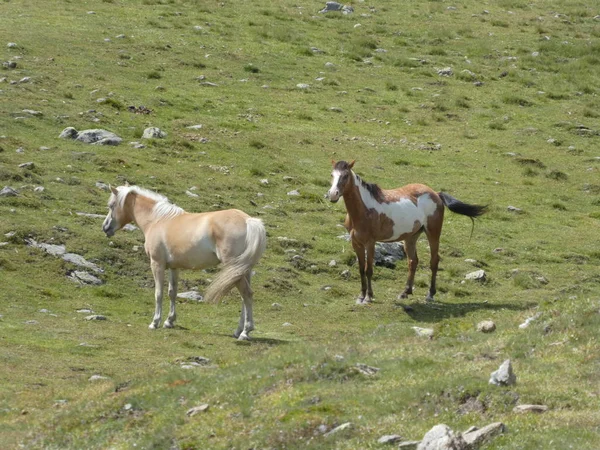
point(173, 278)
point(369, 271)
point(158, 271)
point(360, 254)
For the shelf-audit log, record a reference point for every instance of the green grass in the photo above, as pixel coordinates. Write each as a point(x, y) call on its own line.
point(509, 127)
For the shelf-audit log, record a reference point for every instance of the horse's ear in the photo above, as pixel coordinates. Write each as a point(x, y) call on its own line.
point(127, 183)
point(113, 190)
point(351, 165)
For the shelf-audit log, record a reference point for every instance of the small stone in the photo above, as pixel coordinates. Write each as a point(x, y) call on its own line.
point(366, 370)
point(408, 445)
point(97, 378)
point(337, 429)
point(514, 209)
point(197, 409)
point(478, 436)
point(445, 72)
point(424, 332)
point(27, 165)
point(153, 132)
point(276, 306)
point(478, 275)
point(7, 191)
point(25, 80)
point(95, 317)
point(529, 320)
point(32, 112)
point(389, 439)
point(486, 326)
point(293, 193)
point(530, 408)
point(191, 295)
point(264, 181)
point(504, 376)
point(303, 86)
point(286, 324)
point(84, 311)
point(332, 263)
point(345, 274)
point(194, 127)
point(11, 45)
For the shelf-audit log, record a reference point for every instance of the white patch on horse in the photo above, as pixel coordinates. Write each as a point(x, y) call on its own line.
point(403, 213)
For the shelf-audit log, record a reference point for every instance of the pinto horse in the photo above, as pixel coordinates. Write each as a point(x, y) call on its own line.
point(175, 239)
point(402, 214)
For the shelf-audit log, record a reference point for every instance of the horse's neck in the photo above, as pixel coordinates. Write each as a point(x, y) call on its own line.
point(142, 211)
point(354, 202)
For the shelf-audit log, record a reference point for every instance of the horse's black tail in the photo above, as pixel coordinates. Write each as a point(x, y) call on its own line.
point(466, 209)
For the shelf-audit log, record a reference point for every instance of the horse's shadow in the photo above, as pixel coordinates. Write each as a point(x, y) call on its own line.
point(438, 311)
point(256, 340)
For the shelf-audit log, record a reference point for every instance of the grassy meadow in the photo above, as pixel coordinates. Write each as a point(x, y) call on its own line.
point(515, 121)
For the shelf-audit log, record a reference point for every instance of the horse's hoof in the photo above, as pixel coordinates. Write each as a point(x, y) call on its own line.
point(243, 337)
point(152, 326)
point(429, 299)
point(360, 301)
point(403, 296)
point(168, 325)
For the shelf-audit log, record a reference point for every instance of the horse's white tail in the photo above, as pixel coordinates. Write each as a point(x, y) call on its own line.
point(234, 270)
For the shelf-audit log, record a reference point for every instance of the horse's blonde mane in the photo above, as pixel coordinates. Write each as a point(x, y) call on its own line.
point(163, 209)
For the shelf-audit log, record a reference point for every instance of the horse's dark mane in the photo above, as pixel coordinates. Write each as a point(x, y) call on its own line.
point(373, 189)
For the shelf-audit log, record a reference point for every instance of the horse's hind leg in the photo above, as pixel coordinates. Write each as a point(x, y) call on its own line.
point(433, 236)
point(410, 248)
point(246, 324)
point(173, 278)
point(158, 271)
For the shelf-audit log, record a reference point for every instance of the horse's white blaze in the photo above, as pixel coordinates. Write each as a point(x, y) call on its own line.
point(404, 213)
point(334, 192)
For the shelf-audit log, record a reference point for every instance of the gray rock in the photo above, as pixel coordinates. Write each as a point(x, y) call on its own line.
point(504, 376)
point(98, 136)
point(302, 86)
point(80, 261)
point(514, 209)
point(293, 193)
point(276, 306)
point(388, 253)
point(194, 127)
point(27, 166)
point(477, 437)
point(7, 191)
point(335, 6)
point(84, 311)
point(39, 189)
point(53, 249)
point(197, 409)
point(530, 408)
point(96, 317)
point(153, 133)
point(11, 45)
point(337, 429)
point(478, 275)
point(25, 80)
point(441, 437)
point(84, 278)
point(389, 439)
point(191, 295)
point(424, 332)
point(486, 326)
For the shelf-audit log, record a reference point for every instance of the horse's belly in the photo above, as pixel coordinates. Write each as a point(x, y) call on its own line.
point(192, 254)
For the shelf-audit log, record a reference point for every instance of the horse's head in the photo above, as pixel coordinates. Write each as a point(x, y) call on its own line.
point(341, 176)
point(116, 218)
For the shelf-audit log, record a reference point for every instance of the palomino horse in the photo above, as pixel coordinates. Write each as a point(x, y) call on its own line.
point(400, 214)
point(177, 240)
